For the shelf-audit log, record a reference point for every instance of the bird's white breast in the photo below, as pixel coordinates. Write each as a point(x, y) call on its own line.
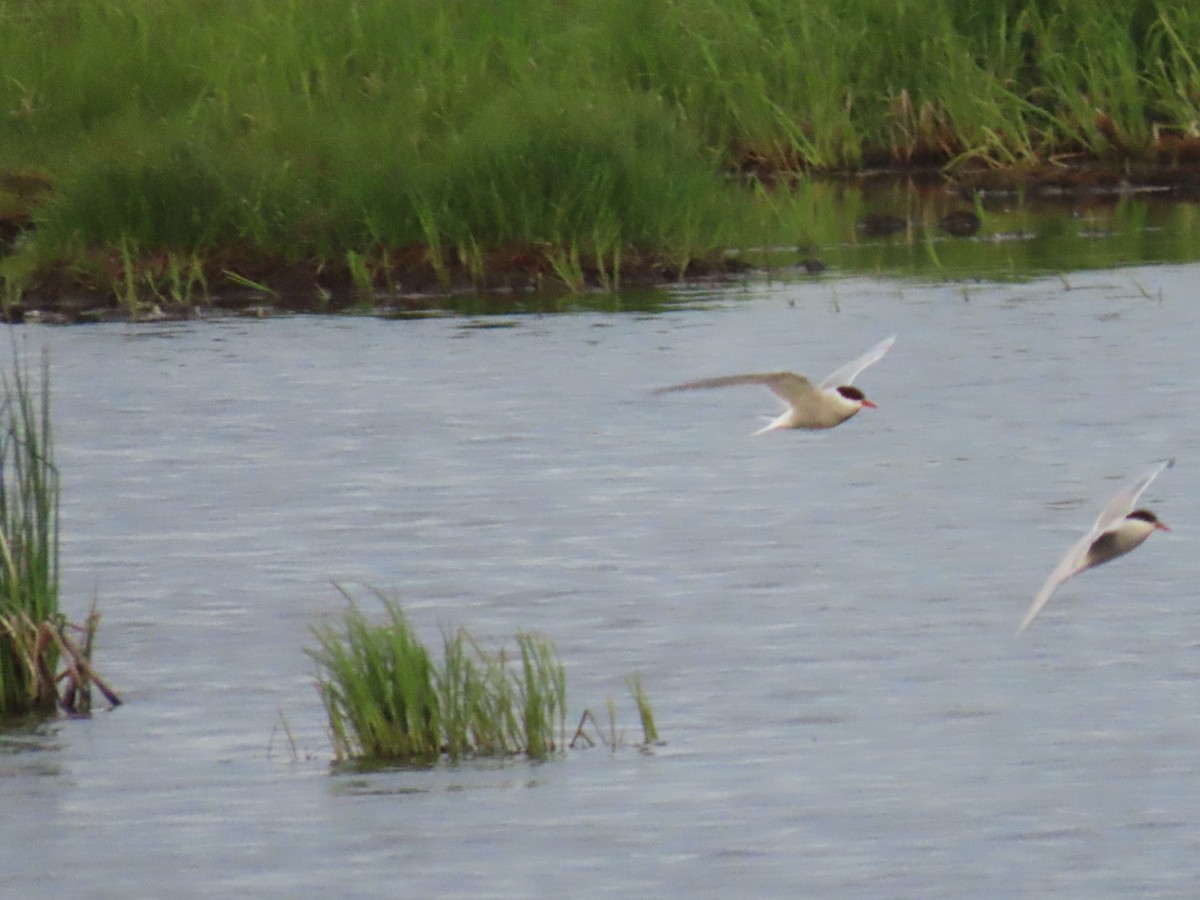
point(1118, 541)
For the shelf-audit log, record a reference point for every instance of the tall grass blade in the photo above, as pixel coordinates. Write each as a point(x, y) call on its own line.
point(649, 731)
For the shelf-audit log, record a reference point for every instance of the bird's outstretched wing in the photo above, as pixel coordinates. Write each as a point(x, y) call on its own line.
point(788, 386)
point(1067, 566)
point(1124, 500)
point(847, 373)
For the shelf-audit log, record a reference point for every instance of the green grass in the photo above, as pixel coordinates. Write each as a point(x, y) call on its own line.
point(590, 731)
point(387, 699)
point(29, 495)
point(645, 713)
point(575, 138)
point(41, 665)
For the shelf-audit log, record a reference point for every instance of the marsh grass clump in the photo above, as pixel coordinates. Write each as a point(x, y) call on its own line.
point(29, 493)
point(387, 699)
point(41, 665)
point(378, 688)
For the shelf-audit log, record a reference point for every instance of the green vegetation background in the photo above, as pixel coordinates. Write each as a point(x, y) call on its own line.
point(579, 129)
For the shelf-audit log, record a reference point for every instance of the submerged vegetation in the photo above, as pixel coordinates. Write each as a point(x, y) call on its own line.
point(387, 699)
point(157, 153)
point(41, 665)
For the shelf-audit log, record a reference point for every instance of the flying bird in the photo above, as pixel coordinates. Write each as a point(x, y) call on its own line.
point(825, 405)
point(1120, 528)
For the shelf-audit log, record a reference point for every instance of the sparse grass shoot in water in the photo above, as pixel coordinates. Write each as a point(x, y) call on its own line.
point(649, 732)
point(590, 731)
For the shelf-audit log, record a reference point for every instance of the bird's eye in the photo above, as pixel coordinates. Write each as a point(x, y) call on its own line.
point(1144, 514)
point(851, 393)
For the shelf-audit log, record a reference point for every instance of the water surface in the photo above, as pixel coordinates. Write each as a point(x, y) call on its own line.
point(825, 623)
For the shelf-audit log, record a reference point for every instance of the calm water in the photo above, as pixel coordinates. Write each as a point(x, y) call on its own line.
point(825, 623)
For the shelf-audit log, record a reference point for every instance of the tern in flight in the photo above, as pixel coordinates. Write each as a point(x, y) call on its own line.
point(1120, 528)
point(810, 406)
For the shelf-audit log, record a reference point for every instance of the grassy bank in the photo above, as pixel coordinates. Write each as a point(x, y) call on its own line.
point(150, 148)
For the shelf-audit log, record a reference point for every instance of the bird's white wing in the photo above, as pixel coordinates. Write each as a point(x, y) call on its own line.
point(1067, 566)
point(788, 386)
point(1121, 505)
point(1124, 500)
point(847, 373)
point(794, 390)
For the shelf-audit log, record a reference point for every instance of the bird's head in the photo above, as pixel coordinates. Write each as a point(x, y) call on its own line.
point(854, 395)
point(1144, 515)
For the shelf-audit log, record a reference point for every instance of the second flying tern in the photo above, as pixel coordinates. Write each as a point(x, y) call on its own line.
point(1120, 528)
